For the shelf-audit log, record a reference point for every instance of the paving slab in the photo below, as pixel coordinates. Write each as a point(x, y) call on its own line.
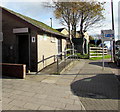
point(34, 94)
point(31, 106)
point(44, 107)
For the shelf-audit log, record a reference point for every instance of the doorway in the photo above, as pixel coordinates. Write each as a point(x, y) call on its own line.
point(59, 45)
point(23, 50)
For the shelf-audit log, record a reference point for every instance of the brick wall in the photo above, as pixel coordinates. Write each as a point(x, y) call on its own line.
point(14, 70)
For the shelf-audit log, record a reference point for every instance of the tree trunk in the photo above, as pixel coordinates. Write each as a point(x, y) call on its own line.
point(82, 34)
point(69, 31)
point(74, 30)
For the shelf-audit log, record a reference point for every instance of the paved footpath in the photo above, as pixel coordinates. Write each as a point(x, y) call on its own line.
point(82, 86)
point(96, 88)
point(40, 92)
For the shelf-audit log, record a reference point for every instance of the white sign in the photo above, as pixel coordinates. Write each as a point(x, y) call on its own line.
point(33, 39)
point(107, 35)
point(20, 30)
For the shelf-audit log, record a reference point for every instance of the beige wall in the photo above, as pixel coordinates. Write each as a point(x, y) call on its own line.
point(64, 43)
point(77, 35)
point(86, 36)
point(47, 46)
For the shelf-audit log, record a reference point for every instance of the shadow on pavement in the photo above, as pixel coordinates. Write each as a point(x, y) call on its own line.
point(9, 77)
point(101, 86)
point(107, 64)
point(110, 65)
point(52, 68)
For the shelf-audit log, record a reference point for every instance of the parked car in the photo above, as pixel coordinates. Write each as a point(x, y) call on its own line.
point(117, 58)
point(117, 45)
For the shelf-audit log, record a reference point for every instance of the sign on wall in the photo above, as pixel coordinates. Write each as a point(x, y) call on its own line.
point(20, 30)
point(33, 39)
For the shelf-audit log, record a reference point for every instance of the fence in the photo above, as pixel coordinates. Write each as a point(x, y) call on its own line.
point(60, 57)
point(97, 52)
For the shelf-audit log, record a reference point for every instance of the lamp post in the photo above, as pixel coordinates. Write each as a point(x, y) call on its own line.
point(112, 14)
point(51, 22)
point(113, 43)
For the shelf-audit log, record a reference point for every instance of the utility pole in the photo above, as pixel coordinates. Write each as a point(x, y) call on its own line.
point(51, 22)
point(112, 14)
point(113, 42)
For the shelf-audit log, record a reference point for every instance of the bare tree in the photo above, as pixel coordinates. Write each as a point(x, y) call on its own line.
point(84, 14)
point(67, 13)
point(91, 13)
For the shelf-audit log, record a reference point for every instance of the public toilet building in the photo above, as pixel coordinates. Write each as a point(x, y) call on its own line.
point(27, 41)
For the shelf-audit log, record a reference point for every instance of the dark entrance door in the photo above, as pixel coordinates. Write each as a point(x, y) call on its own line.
point(23, 50)
point(60, 47)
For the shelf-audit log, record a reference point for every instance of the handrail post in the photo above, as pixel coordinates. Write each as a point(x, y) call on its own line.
point(89, 52)
point(73, 53)
point(65, 58)
point(70, 54)
point(43, 61)
point(57, 65)
point(54, 58)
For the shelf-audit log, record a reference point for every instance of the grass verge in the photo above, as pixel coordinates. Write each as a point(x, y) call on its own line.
point(99, 58)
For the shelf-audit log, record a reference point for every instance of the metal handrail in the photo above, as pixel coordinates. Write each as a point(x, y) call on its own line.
point(58, 57)
point(46, 58)
point(64, 51)
point(54, 55)
point(73, 54)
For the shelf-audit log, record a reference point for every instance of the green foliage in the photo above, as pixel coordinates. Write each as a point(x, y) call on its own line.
point(91, 38)
point(85, 56)
point(79, 55)
point(92, 45)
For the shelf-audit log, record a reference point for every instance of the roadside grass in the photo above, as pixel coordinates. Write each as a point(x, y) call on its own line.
point(86, 56)
point(99, 58)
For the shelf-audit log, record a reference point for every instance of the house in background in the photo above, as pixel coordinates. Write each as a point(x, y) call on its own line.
point(79, 43)
point(65, 32)
point(86, 36)
point(27, 41)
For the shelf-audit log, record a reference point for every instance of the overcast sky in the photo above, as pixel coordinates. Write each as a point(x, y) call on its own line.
point(36, 10)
